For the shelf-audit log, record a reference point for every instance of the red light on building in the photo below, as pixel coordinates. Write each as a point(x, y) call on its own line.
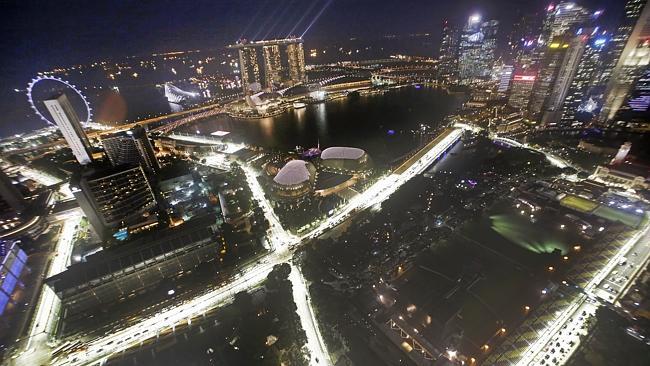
point(524, 78)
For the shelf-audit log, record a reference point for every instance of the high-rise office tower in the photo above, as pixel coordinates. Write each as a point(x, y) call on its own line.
point(633, 9)
point(523, 39)
point(67, 119)
point(560, 20)
point(544, 37)
point(549, 68)
point(448, 58)
point(560, 87)
point(521, 88)
point(584, 79)
point(568, 18)
point(477, 50)
point(10, 198)
point(113, 198)
point(130, 147)
point(636, 109)
point(268, 65)
point(505, 77)
point(633, 60)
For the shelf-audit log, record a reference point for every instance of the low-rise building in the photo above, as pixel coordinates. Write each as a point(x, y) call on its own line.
point(117, 273)
point(628, 175)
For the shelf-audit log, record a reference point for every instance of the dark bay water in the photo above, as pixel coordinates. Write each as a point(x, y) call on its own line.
point(381, 124)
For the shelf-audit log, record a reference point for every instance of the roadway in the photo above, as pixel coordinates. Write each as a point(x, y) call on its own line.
point(553, 159)
point(282, 245)
point(315, 343)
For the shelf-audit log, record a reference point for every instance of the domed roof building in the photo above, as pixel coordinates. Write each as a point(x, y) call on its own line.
point(295, 180)
point(345, 159)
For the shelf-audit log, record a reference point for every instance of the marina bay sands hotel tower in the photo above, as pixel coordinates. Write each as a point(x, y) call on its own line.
point(270, 65)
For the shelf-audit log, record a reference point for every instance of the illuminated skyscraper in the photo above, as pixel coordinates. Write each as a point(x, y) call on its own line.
point(130, 147)
point(563, 19)
point(272, 65)
point(636, 109)
point(296, 61)
point(267, 65)
point(521, 89)
point(633, 9)
point(113, 199)
point(505, 77)
point(633, 60)
point(568, 17)
point(67, 119)
point(584, 79)
point(523, 38)
point(477, 48)
point(448, 58)
point(549, 68)
point(552, 108)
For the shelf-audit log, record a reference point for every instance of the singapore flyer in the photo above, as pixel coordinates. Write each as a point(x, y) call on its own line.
point(47, 87)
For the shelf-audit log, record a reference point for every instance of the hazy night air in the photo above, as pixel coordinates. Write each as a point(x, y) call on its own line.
point(325, 182)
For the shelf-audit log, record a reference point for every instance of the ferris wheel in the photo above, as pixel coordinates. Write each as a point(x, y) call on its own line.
point(45, 87)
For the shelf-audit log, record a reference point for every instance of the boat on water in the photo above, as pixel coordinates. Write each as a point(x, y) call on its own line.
point(299, 105)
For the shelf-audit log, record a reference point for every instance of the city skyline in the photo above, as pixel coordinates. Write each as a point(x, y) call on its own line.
point(327, 183)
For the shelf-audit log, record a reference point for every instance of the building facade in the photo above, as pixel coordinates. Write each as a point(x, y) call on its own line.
point(522, 87)
point(448, 57)
point(549, 69)
point(477, 50)
point(565, 74)
point(568, 17)
point(634, 57)
point(584, 80)
point(113, 199)
point(130, 147)
point(633, 9)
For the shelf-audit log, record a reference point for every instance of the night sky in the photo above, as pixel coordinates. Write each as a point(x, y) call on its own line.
point(39, 35)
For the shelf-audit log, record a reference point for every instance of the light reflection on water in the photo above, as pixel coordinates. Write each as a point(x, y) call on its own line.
point(359, 121)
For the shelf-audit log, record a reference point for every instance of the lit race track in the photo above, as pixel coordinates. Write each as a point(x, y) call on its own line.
point(315, 343)
point(100, 349)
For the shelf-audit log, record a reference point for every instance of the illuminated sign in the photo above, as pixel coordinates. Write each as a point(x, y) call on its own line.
point(524, 78)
